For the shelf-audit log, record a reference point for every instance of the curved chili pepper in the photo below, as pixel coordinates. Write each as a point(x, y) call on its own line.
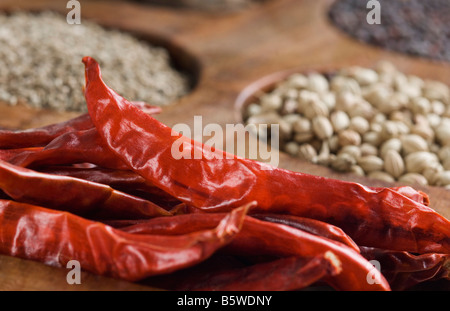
point(74, 195)
point(409, 192)
point(55, 237)
point(265, 238)
point(43, 135)
point(8, 154)
point(284, 274)
point(312, 226)
point(70, 148)
point(123, 180)
point(403, 270)
point(219, 181)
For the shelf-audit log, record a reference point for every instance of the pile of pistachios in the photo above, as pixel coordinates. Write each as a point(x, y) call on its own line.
point(376, 122)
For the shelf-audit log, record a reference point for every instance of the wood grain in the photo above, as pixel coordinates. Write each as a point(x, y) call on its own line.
point(225, 52)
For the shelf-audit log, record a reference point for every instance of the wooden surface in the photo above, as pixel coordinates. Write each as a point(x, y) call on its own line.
point(226, 53)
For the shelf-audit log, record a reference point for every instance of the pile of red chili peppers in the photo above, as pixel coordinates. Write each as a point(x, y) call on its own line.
point(105, 190)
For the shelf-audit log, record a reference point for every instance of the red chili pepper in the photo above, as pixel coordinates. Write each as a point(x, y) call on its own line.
point(123, 180)
point(411, 193)
point(219, 182)
point(284, 274)
point(41, 136)
point(70, 148)
point(312, 226)
point(265, 238)
point(8, 154)
point(74, 195)
point(403, 270)
point(55, 238)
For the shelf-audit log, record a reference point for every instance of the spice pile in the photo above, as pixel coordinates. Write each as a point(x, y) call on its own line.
point(38, 63)
point(378, 123)
point(414, 27)
point(104, 189)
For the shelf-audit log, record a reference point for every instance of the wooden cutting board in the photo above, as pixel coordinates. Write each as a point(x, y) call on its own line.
point(225, 53)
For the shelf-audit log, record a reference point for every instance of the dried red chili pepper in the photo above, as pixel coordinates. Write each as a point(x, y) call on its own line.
point(55, 237)
point(123, 180)
point(265, 238)
point(8, 154)
point(409, 192)
point(312, 226)
point(70, 148)
point(43, 135)
point(403, 270)
point(284, 274)
point(74, 195)
point(39, 137)
point(381, 218)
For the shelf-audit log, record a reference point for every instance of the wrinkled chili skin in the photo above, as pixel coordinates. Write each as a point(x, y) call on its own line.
point(380, 218)
point(71, 148)
point(404, 270)
point(55, 237)
point(265, 238)
point(311, 226)
point(284, 274)
point(122, 180)
point(40, 137)
point(74, 195)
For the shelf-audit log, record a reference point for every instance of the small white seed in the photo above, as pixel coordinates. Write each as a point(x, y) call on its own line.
point(420, 105)
point(367, 149)
point(444, 153)
point(372, 138)
point(290, 106)
point(416, 162)
point(303, 137)
point(359, 124)
point(315, 108)
point(357, 170)
point(443, 133)
point(371, 163)
point(413, 179)
point(424, 131)
point(343, 162)
point(431, 172)
point(443, 178)
point(352, 150)
point(307, 152)
point(393, 163)
point(345, 101)
point(317, 83)
point(345, 84)
point(322, 127)
point(297, 81)
point(302, 125)
point(339, 120)
point(253, 109)
point(380, 175)
point(271, 102)
point(391, 144)
point(413, 143)
point(349, 137)
point(291, 118)
point(292, 148)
